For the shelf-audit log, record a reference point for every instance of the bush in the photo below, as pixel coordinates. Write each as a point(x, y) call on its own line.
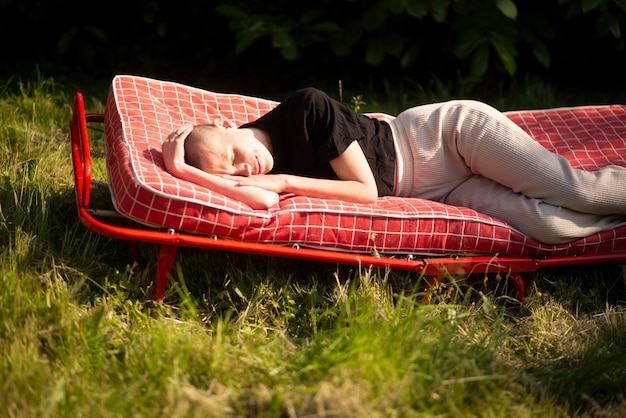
point(471, 38)
point(477, 36)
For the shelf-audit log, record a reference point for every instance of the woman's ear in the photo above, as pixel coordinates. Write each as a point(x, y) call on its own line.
point(224, 123)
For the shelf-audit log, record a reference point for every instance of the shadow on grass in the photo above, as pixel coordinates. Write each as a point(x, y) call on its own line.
point(595, 381)
point(43, 232)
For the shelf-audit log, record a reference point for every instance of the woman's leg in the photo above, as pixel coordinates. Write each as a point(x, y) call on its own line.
point(452, 141)
point(533, 217)
point(466, 153)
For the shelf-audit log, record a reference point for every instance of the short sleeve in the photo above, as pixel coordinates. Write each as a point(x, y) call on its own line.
point(309, 129)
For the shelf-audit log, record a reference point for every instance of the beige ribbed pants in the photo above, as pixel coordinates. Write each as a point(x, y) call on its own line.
point(466, 153)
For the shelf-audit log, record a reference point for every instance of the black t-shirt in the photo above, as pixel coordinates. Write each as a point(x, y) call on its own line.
point(308, 129)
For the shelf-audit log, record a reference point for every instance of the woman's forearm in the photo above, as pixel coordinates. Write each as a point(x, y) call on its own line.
point(255, 197)
point(348, 190)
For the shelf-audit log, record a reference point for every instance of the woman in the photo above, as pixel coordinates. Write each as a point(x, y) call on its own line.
point(462, 153)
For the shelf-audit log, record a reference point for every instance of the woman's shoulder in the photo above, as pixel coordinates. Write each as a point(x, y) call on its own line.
point(310, 94)
point(311, 91)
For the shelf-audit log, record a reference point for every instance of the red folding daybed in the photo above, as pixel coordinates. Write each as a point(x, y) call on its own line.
point(427, 237)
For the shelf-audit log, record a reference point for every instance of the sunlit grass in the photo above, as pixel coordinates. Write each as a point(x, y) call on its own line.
point(243, 335)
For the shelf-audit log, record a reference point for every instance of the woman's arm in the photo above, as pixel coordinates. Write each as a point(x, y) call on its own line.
point(174, 158)
point(255, 197)
point(356, 182)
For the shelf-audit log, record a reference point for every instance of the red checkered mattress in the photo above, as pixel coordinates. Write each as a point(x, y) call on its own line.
point(140, 112)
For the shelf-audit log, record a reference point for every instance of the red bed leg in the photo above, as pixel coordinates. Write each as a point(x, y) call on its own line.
point(432, 283)
point(135, 254)
point(519, 291)
point(167, 257)
point(518, 287)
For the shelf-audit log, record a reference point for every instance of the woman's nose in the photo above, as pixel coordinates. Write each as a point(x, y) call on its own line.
point(244, 170)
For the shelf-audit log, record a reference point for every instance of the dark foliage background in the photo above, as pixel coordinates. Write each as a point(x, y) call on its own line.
point(270, 47)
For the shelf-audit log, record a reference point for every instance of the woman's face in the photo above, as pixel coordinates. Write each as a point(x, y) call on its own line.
point(237, 155)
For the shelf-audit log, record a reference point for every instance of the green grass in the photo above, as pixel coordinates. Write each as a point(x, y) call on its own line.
point(242, 335)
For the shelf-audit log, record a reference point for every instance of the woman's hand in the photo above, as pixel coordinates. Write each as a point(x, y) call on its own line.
point(173, 149)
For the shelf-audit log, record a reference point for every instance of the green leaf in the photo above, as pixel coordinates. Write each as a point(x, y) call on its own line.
point(312, 14)
point(621, 4)
point(507, 53)
point(542, 54)
point(282, 40)
point(326, 27)
point(375, 52)
point(480, 60)
point(374, 17)
point(439, 10)
point(396, 6)
point(394, 44)
point(589, 5)
point(417, 8)
point(96, 33)
point(539, 49)
point(289, 52)
point(67, 40)
point(508, 8)
point(410, 55)
point(614, 26)
point(231, 11)
point(468, 42)
point(341, 49)
point(250, 36)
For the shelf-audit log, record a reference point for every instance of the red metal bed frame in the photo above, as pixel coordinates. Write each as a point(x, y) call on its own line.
point(170, 240)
